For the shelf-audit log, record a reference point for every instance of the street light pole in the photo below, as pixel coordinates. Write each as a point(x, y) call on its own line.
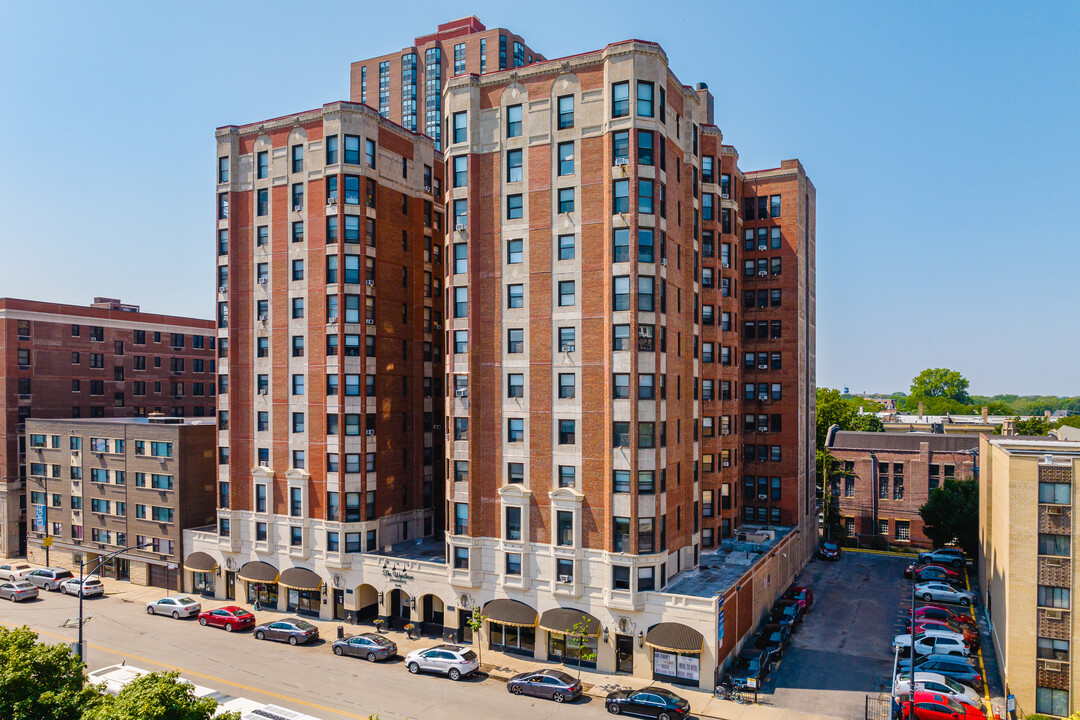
point(82, 580)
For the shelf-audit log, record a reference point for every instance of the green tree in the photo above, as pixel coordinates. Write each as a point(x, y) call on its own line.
point(1071, 421)
point(829, 475)
point(866, 423)
point(834, 409)
point(476, 624)
point(939, 383)
point(38, 680)
point(580, 634)
point(952, 513)
point(157, 696)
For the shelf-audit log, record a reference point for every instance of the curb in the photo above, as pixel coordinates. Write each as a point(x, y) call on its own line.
point(888, 553)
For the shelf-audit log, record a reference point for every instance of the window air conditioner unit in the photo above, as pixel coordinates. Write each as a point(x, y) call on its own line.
point(762, 306)
point(663, 262)
point(427, 188)
point(332, 321)
point(437, 326)
point(297, 208)
point(763, 273)
point(263, 317)
point(726, 463)
point(223, 288)
point(725, 195)
point(762, 397)
point(370, 321)
point(1053, 614)
point(762, 367)
point(566, 579)
point(725, 432)
point(460, 227)
point(1054, 510)
point(262, 280)
point(264, 391)
point(370, 283)
point(762, 247)
point(622, 161)
point(763, 428)
point(461, 392)
point(331, 201)
point(371, 431)
point(725, 264)
point(437, 426)
point(1052, 665)
point(567, 347)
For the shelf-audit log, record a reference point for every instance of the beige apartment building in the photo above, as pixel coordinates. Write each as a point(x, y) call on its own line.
point(1027, 569)
point(96, 486)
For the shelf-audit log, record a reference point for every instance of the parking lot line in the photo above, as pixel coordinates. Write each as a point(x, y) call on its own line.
point(204, 676)
point(982, 667)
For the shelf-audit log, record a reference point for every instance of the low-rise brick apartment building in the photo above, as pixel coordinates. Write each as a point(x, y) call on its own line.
point(884, 478)
point(105, 360)
point(627, 396)
point(1027, 567)
point(407, 86)
point(96, 486)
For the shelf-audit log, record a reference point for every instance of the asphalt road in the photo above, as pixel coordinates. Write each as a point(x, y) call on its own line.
point(308, 679)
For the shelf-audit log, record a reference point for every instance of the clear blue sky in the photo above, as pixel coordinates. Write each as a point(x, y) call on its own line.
point(942, 138)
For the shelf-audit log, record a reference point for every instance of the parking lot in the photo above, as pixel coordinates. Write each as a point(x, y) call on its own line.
point(843, 651)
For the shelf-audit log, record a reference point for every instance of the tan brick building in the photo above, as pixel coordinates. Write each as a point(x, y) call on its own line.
point(96, 486)
point(886, 477)
point(406, 87)
point(102, 361)
point(1028, 569)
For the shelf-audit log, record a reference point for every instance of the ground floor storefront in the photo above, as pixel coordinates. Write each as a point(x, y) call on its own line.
point(164, 574)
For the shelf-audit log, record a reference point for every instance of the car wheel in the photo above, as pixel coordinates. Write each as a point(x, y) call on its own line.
point(663, 716)
point(371, 657)
point(258, 636)
point(454, 674)
point(515, 689)
point(614, 709)
point(338, 650)
point(149, 609)
point(175, 615)
point(202, 621)
point(414, 668)
point(965, 601)
point(228, 627)
point(956, 563)
point(927, 597)
point(558, 697)
point(292, 639)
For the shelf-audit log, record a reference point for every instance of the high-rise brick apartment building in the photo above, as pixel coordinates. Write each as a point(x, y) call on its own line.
point(106, 360)
point(329, 328)
point(407, 86)
point(610, 454)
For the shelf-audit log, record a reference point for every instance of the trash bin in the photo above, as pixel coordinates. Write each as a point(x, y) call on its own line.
point(340, 631)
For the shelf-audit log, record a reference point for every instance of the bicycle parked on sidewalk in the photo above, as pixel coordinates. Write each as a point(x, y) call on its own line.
point(724, 691)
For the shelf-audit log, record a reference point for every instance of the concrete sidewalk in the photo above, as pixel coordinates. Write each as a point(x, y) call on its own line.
point(497, 665)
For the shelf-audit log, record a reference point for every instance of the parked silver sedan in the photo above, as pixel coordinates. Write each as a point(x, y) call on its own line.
point(943, 592)
point(177, 606)
point(370, 646)
point(18, 590)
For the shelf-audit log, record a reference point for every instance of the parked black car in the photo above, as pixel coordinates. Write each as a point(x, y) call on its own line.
point(957, 668)
point(749, 669)
point(829, 550)
point(774, 639)
point(787, 612)
point(548, 683)
point(651, 702)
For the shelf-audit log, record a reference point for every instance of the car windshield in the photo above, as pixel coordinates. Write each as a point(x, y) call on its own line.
point(304, 625)
point(745, 665)
point(186, 601)
point(776, 636)
point(241, 613)
point(469, 655)
point(830, 546)
point(379, 640)
point(953, 685)
point(22, 585)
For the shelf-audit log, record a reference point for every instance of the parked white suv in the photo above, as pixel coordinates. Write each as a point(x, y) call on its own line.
point(454, 661)
point(934, 642)
point(91, 586)
point(936, 682)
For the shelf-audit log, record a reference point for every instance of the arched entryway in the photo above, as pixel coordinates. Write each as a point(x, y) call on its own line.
point(367, 602)
point(400, 608)
point(430, 614)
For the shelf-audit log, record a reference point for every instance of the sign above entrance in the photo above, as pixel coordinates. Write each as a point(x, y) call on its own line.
point(397, 576)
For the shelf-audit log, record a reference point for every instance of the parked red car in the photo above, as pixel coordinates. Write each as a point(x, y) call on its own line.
point(935, 706)
point(230, 617)
point(916, 568)
point(800, 594)
point(937, 612)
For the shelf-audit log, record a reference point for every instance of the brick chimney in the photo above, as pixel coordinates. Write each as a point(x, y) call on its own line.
point(985, 413)
point(920, 408)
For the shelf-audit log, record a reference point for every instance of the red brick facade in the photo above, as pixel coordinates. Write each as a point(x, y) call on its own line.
point(63, 361)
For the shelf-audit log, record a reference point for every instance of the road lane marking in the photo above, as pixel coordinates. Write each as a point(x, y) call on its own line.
point(204, 676)
point(982, 667)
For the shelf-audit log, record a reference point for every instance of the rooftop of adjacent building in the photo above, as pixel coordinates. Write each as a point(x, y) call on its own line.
point(426, 549)
point(102, 307)
point(152, 419)
point(719, 569)
point(912, 441)
point(913, 418)
point(1047, 446)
